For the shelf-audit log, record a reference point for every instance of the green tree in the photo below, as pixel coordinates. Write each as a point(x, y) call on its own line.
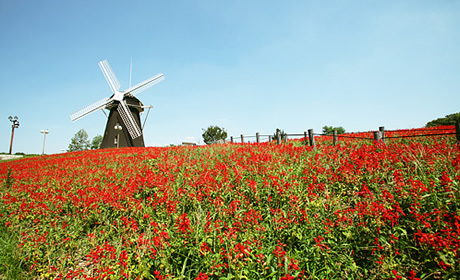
point(329, 130)
point(213, 134)
point(447, 120)
point(283, 134)
point(79, 142)
point(96, 142)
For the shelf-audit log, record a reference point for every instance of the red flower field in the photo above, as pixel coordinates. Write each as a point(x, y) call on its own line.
point(359, 209)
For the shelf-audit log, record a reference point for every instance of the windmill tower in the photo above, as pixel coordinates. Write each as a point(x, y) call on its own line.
point(123, 128)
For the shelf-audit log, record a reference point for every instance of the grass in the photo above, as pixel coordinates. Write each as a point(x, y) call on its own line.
point(351, 211)
point(11, 265)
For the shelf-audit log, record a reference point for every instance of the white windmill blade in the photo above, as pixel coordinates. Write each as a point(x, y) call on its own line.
point(112, 80)
point(135, 90)
point(90, 109)
point(128, 120)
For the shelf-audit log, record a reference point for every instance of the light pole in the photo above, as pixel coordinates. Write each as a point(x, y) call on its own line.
point(13, 126)
point(118, 128)
point(44, 139)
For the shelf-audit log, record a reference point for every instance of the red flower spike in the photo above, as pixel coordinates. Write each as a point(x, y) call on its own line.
point(202, 276)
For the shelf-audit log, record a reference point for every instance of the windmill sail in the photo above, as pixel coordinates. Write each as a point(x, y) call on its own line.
point(128, 120)
point(135, 90)
point(90, 109)
point(112, 80)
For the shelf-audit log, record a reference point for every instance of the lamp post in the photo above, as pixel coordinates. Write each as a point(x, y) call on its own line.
point(118, 128)
point(13, 126)
point(44, 139)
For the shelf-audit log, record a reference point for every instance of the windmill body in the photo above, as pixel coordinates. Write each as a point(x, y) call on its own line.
point(121, 138)
point(123, 127)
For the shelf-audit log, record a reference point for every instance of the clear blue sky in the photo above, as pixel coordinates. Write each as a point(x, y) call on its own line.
point(247, 66)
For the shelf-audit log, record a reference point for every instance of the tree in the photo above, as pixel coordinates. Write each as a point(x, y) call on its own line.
point(213, 134)
point(96, 142)
point(329, 130)
point(79, 142)
point(447, 120)
point(283, 134)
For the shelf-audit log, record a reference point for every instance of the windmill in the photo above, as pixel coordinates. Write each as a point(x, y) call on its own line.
point(123, 127)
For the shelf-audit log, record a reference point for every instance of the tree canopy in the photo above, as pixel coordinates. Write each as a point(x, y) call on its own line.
point(329, 130)
point(80, 142)
point(282, 134)
point(447, 120)
point(96, 142)
point(213, 134)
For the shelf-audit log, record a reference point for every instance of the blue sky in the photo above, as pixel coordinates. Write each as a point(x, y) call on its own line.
point(247, 66)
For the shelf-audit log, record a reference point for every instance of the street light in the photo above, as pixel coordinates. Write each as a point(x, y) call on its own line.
point(13, 126)
point(44, 139)
point(118, 128)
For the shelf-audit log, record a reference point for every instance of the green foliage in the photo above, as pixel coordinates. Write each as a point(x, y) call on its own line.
point(11, 266)
point(329, 130)
point(283, 134)
point(213, 134)
point(79, 142)
point(348, 211)
point(447, 120)
point(96, 142)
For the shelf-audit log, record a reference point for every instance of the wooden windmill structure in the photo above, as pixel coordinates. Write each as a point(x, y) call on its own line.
point(123, 128)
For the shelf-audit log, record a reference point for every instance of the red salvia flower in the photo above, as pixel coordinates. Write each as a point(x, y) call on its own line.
point(183, 224)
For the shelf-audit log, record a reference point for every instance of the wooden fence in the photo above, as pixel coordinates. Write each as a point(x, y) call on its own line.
point(379, 135)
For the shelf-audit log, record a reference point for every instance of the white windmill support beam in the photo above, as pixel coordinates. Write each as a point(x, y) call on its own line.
point(128, 120)
point(107, 116)
point(112, 80)
point(145, 120)
point(90, 109)
point(135, 90)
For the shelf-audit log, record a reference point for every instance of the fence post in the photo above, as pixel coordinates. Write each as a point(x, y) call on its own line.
point(377, 136)
point(278, 137)
point(305, 136)
point(457, 130)
point(242, 138)
point(311, 138)
point(231, 139)
point(334, 137)
point(269, 138)
point(257, 137)
point(382, 133)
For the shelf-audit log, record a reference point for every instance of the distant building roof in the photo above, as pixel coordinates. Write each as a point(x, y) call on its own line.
point(188, 144)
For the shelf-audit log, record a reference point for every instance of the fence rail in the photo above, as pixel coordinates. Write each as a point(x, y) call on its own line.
point(378, 135)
